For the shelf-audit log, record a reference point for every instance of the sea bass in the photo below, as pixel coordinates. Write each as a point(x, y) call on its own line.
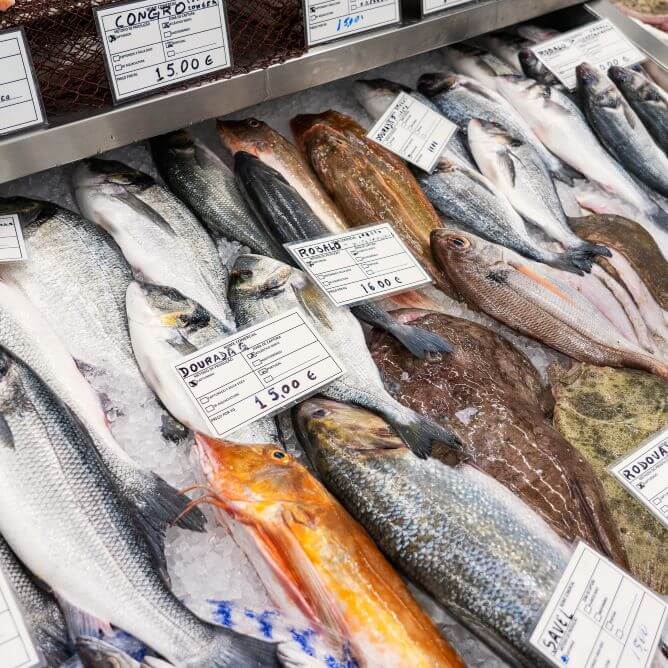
point(207, 185)
point(314, 557)
point(472, 62)
point(456, 532)
point(534, 68)
point(262, 288)
point(522, 298)
point(99, 557)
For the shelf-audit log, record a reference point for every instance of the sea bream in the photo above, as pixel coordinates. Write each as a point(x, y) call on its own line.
point(262, 288)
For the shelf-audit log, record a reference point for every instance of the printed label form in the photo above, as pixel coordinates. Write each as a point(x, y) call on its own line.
point(599, 616)
point(17, 649)
point(327, 20)
point(258, 371)
point(431, 6)
point(413, 131)
point(20, 101)
point(599, 43)
point(363, 264)
point(12, 246)
point(149, 45)
point(644, 473)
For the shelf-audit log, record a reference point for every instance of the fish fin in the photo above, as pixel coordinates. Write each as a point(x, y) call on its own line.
point(81, 624)
point(229, 648)
point(483, 182)
point(171, 429)
point(293, 657)
point(583, 256)
point(506, 162)
point(95, 652)
point(420, 342)
point(144, 210)
point(565, 173)
point(6, 436)
point(312, 301)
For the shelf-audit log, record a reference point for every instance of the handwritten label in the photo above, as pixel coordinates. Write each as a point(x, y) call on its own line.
point(327, 20)
point(149, 45)
point(258, 372)
point(431, 6)
point(599, 616)
point(356, 266)
point(413, 131)
point(20, 101)
point(644, 473)
point(12, 246)
point(599, 43)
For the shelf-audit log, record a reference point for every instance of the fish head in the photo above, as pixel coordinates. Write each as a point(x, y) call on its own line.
point(455, 250)
point(596, 87)
point(176, 145)
point(635, 86)
point(434, 83)
point(258, 277)
point(109, 176)
point(376, 95)
point(29, 211)
point(310, 129)
point(250, 135)
point(531, 66)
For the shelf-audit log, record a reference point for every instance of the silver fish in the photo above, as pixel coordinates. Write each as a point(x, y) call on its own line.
point(470, 61)
point(534, 68)
point(504, 46)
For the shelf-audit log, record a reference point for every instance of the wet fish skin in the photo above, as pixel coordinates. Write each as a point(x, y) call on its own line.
point(470, 61)
point(505, 46)
point(453, 530)
point(99, 557)
point(620, 129)
point(207, 185)
point(533, 68)
point(262, 288)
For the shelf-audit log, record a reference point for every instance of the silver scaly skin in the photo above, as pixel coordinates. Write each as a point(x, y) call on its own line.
point(67, 522)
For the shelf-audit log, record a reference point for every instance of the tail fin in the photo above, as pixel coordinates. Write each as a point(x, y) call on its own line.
point(566, 174)
point(582, 257)
point(418, 341)
point(562, 261)
point(229, 649)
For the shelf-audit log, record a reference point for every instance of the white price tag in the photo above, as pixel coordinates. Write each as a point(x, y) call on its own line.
point(599, 616)
point(20, 101)
point(17, 649)
point(431, 6)
point(363, 264)
point(12, 246)
point(599, 43)
point(644, 473)
point(327, 20)
point(258, 371)
point(413, 131)
point(149, 45)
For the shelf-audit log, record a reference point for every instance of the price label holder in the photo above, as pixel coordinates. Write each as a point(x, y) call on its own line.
point(20, 100)
point(356, 266)
point(12, 246)
point(599, 43)
point(433, 6)
point(149, 45)
point(644, 473)
point(329, 20)
point(413, 131)
point(599, 616)
point(258, 372)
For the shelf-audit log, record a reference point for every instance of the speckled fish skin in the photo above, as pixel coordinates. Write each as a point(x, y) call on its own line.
point(453, 530)
point(620, 129)
point(161, 239)
point(493, 395)
point(647, 99)
point(207, 185)
point(52, 483)
point(262, 288)
point(43, 615)
point(550, 312)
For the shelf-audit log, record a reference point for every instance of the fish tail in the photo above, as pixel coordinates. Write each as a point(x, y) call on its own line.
point(582, 257)
point(228, 649)
point(566, 174)
point(418, 341)
point(564, 261)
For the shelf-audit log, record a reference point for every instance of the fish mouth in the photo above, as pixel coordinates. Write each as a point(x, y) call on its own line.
point(96, 172)
point(248, 135)
point(587, 75)
point(244, 277)
point(433, 83)
point(178, 141)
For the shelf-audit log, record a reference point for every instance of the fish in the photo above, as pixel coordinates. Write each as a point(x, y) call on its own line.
point(534, 33)
point(368, 183)
point(470, 61)
point(620, 129)
point(286, 213)
point(317, 559)
point(42, 614)
point(453, 530)
point(100, 557)
point(526, 300)
point(606, 413)
point(534, 68)
point(517, 170)
point(461, 99)
point(504, 46)
point(261, 288)
point(649, 101)
point(490, 390)
point(161, 239)
point(207, 185)
point(657, 73)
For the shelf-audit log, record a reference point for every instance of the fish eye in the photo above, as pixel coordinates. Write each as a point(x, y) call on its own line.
point(254, 123)
point(243, 274)
point(459, 242)
point(278, 454)
point(321, 412)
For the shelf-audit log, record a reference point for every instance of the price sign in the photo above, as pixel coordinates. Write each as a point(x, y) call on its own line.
point(149, 45)
point(258, 372)
point(12, 246)
point(327, 20)
point(363, 264)
point(599, 616)
point(431, 6)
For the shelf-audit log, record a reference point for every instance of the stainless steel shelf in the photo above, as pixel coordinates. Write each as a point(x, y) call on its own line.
point(79, 138)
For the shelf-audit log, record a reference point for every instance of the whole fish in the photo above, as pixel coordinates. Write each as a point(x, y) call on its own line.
point(314, 557)
point(262, 288)
point(470, 61)
point(539, 307)
point(462, 99)
point(620, 129)
point(368, 183)
point(517, 170)
point(494, 396)
point(456, 532)
point(207, 185)
point(286, 213)
point(43, 616)
point(647, 99)
point(161, 239)
point(68, 523)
